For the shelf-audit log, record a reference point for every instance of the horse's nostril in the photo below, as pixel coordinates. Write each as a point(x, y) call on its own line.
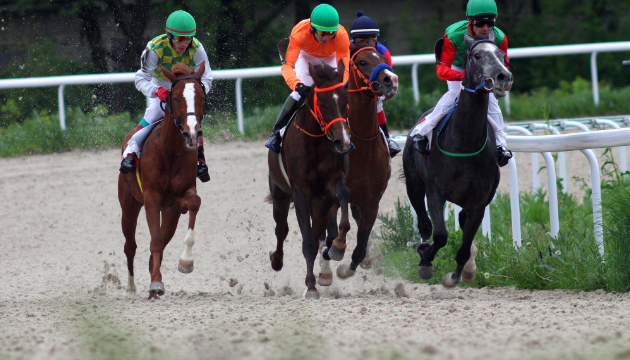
point(387, 80)
point(501, 77)
point(338, 143)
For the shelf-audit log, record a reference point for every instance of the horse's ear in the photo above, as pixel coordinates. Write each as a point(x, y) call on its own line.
point(341, 69)
point(201, 70)
point(491, 35)
point(169, 75)
point(353, 47)
point(313, 73)
point(469, 40)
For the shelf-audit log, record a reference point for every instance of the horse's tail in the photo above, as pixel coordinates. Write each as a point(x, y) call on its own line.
point(269, 199)
point(401, 176)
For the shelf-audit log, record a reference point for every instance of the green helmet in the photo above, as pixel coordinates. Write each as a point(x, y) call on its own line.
point(481, 7)
point(181, 23)
point(325, 18)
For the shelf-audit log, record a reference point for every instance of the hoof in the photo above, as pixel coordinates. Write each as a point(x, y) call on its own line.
point(325, 254)
point(154, 296)
point(344, 271)
point(276, 263)
point(468, 277)
point(336, 253)
point(325, 279)
point(366, 264)
point(156, 288)
point(450, 280)
point(311, 294)
point(425, 272)
point(186, 266)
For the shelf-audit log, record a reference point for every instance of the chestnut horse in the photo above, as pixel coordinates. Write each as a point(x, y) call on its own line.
point(167, 172)
point(369, 169)
point(311, 169)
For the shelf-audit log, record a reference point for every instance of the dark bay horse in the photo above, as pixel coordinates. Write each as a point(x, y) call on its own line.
point(167, 171)
point(311, 169)
point(462, 165)
point(369, 169)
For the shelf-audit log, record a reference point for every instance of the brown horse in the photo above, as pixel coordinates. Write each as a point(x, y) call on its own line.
point(311, 169)
point(167, 178)
point(369, 169)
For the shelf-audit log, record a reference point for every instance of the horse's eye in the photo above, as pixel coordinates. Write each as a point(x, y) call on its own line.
point(362, 63)
point(477, 56)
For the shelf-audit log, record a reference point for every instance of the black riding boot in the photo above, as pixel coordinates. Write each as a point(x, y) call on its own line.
point(394, 149)
point(420, 143)
point(504, 155)
point(202, 168)
point(288, 109)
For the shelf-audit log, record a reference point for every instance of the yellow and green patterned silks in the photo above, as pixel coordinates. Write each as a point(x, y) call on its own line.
point(168, 56)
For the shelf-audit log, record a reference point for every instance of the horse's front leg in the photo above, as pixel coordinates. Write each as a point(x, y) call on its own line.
point(190, 202)
point(440, 236)
point(338, 247)
point(466, 254)
point(153, 204)
point(368, 217)
point(309, 243)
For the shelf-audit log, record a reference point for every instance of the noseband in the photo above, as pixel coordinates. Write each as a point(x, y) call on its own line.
point(317, 113)
point(371, 83)
point(169, 103)
point(488, 83)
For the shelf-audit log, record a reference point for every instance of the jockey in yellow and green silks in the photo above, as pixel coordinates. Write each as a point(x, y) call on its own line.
point(178, 44)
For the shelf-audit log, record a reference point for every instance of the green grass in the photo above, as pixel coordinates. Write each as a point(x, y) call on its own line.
point(571, 261)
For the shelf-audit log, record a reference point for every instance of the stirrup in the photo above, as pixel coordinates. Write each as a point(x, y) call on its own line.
point(202, 171)
point(129, 164)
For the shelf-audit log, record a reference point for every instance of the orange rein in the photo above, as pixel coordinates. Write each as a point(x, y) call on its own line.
point(318, 114)
point(366, 81)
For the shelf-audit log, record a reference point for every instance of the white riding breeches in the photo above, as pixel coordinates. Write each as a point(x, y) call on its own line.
point(495, 117)
point(301, 69)
point(153, 113)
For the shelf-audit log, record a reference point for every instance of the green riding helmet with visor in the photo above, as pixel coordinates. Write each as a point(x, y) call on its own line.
point(325, 19)
point(181, 25)
point(482, 10)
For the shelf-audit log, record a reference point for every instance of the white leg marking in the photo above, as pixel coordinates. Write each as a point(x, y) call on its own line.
point(131, 284)
point(189, 241)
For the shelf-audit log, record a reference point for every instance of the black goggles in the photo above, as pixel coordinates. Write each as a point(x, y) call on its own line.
point(482, 23)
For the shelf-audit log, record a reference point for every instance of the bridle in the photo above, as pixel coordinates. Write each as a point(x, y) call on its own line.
point(370, 83)
point(317, 113)
point(169, 102)
point(487, 84)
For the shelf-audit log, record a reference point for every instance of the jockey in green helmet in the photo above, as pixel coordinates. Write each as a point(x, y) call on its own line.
point(481, 16)
point(178, 44)
point(317, 40)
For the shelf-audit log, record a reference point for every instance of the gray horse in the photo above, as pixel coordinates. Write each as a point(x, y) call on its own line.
point(462, 166)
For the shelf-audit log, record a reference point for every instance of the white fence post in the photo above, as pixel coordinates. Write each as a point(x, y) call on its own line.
point(62, 108)
point(594, 77)
point(239, 105)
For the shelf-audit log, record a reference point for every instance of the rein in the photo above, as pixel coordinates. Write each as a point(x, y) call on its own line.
point(317, 113)
point(370, 83)
point(169, 103)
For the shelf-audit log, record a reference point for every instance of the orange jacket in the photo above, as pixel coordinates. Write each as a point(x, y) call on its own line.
point(302, 39)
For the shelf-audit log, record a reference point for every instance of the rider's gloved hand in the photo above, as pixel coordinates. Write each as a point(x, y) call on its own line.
point(460, 75)
point(162, 93)
point(303, 90)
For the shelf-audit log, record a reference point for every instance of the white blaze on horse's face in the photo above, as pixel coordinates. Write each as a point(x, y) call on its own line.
point(489, 59)
point(346, 136)
point(191, 120)
point(394, 78)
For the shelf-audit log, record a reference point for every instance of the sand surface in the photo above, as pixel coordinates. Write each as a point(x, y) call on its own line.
point(63, 278)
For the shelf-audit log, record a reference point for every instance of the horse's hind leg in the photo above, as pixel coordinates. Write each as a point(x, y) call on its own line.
point(338, 247)
point(325, 277)
point(465, 258)
point(416, 190)
point(440, 236)
point(309, 242)
point(130, 210)
point(192, 202)
point(368, 217)
point(281, 206)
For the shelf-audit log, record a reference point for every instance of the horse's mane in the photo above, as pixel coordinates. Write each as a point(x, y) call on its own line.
point(180, 69)
point(325, 72)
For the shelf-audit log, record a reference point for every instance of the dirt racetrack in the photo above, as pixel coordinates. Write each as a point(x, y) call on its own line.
point(63, 278)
